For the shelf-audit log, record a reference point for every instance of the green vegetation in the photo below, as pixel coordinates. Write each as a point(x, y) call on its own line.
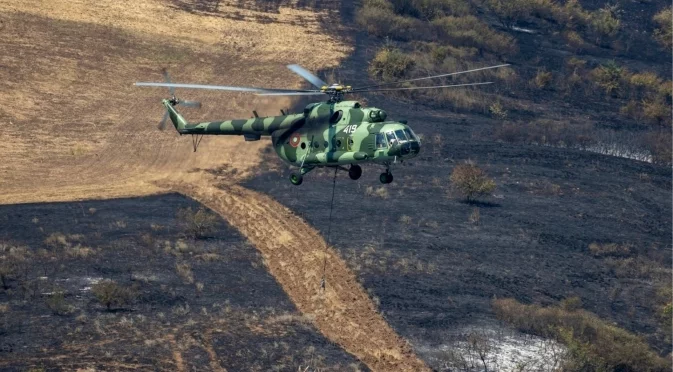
point(593, 344)
point(57, 304)
point(471, 181)
point(110, 294)
point(197, 224)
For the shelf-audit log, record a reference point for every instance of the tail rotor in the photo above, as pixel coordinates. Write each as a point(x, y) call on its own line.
point(174, 101)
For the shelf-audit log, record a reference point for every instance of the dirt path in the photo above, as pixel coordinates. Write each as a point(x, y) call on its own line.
point(293, 252)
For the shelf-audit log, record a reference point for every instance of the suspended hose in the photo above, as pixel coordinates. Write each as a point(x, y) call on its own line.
point(329, 231)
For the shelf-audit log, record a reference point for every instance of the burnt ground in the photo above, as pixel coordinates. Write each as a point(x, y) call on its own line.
point(433, 271)
point(239, 318)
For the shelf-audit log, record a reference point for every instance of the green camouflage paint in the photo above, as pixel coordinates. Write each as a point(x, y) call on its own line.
point(325, 134)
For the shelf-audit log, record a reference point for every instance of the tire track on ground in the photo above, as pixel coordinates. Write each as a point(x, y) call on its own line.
point(293, 253)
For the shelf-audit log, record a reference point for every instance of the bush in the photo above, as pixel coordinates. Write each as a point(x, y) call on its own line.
point(605, 23)
point(110, 294)
point(609, 77)
point(543, 79)
point(664, 33)
point(593, 344)
point(390, 64)
point(197, 224)
point(498, 111)
point(470, 181)
point(378, 18)
point(57, 304)
point(656, 111)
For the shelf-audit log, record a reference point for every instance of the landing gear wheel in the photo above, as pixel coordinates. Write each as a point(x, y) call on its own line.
point(386, 177)
point(296, 179)
point(354, 172)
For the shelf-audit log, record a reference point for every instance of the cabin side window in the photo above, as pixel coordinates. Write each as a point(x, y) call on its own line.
point(380, 141)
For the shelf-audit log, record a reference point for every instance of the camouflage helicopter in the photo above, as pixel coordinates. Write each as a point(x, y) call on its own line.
point(333, 133)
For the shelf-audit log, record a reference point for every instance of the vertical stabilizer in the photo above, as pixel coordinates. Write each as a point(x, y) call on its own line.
point(178, 121)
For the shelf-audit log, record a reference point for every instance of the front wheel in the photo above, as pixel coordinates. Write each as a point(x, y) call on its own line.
point(354, 172)
point(296, 179)
point(386, 177)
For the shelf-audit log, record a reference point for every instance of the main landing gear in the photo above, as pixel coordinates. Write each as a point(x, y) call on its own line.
point(354, 172)
point(386, 177)
point(297, 178)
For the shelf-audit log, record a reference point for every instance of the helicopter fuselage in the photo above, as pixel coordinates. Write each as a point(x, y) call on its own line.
point(324, 135)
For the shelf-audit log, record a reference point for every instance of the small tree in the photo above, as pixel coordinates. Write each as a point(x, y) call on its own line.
point(470, 181)
point(197, 223)
point(109, 293)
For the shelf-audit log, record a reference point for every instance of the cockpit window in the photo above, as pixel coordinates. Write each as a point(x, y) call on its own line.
point(391, 138)
point(400, 135)
point(409, 134)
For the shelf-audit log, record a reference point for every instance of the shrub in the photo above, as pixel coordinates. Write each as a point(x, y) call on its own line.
point(656, 111)
point(389, 64)
point(110, 294)
point(197, 224)
point(497, 111)
point(609, 77)
point(543, 79)
point(57, 304)
point(664, 33)
point(605, 23)
point(470, 181)
point(593, 344)
point(574, 40)
point(377, 17)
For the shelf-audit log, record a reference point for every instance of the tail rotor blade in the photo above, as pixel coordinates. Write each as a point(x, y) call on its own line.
point(162, 123)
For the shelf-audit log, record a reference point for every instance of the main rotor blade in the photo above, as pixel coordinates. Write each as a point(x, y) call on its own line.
point(290, 94)
point(191, 104)
point(220, 87)
point(430, 77)
point(316, 81)
point(432, 87)
point(168, 80)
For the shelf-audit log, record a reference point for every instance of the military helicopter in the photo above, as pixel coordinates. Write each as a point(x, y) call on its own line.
point(333, 133)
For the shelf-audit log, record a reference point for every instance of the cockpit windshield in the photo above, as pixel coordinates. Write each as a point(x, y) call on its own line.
point(391, 138)
point(410, 134)
point(400, 135)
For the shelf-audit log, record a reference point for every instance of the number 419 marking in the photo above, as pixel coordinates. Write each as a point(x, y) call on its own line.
point(350, 129)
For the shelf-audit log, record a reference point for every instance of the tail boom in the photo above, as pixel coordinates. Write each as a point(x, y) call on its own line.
point(253, 126)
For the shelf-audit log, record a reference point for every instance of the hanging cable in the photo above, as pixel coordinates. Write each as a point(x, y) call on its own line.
point(329, 231)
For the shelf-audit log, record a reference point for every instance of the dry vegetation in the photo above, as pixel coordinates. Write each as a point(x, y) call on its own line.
point(433, 37)
point(470, 181)
point(113, 295)
point(593, 344)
